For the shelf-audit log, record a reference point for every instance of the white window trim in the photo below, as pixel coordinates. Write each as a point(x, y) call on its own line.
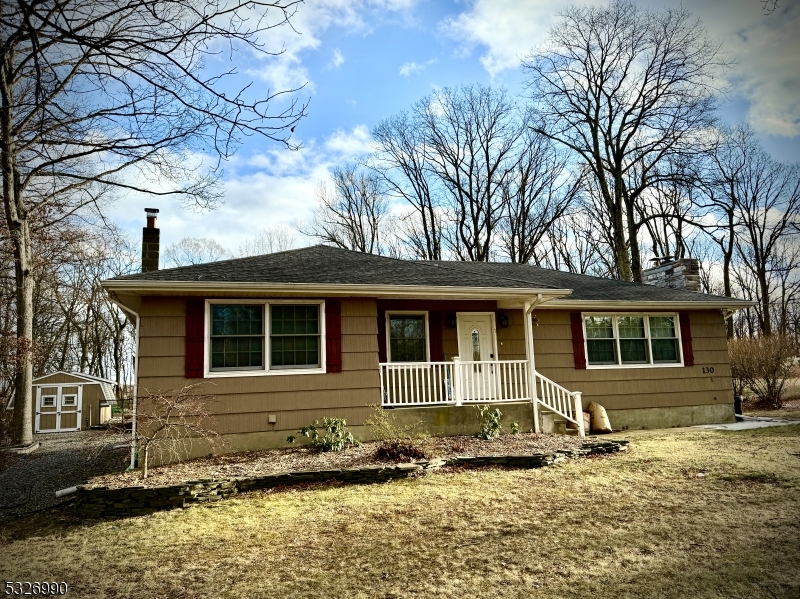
point(212, 374)
point(650, 364)
point(389, 334)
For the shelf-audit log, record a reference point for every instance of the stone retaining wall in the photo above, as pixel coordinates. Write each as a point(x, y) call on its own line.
point(102, 502)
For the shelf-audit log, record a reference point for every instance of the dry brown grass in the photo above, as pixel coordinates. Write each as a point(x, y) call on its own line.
point(684, 513)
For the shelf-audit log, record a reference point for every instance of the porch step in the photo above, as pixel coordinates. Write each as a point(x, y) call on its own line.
point(553, 423)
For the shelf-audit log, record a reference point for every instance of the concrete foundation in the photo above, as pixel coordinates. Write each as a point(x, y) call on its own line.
point(450, 421)
point(651, 418)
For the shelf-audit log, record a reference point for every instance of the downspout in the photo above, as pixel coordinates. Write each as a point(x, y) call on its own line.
point(136, 317)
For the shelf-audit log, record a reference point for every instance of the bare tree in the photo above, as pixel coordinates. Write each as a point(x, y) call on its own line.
point(401, 162)
point(622, 88)
point(756, 200)
point(193, 250)
point(536, 195)
point(169, 423)
point(92, 91)
point(277, 238)
point(352, 214)
point(472, 139)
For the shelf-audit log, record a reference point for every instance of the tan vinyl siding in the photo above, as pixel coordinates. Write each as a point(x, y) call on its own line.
point(245, 402)
point(511, 341)
point(624, 388)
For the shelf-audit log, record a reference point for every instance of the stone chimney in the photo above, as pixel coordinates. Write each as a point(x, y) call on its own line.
point(675, 274)
point(151, 240)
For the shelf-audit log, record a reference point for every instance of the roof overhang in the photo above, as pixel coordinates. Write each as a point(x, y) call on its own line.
point(123, 290)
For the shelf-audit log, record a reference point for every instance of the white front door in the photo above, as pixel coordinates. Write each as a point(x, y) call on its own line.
point(476, 343)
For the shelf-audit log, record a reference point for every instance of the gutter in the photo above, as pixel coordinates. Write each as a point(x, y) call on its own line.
point(206, 287)
point(637, 305)
point(138, 320)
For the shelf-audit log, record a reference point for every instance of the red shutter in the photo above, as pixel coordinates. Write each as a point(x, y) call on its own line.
point(333, 336)
point(686, 339)
point(435, 331)
point(382, 336)
point(195, 332)
point(578, 350)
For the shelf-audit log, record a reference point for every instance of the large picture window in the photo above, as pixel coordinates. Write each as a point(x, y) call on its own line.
point(407, 338)
point(631, 340)
point(263, 337)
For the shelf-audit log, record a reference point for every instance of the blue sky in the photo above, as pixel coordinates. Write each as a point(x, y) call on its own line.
point(364, 60)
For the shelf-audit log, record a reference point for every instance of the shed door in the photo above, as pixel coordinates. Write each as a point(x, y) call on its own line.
point(476, 350)
point(47, 409)
point(58, 408)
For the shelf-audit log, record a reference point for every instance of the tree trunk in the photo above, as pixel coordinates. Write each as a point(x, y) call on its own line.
point(23, 396)
point(766, 324)
point(19, 230)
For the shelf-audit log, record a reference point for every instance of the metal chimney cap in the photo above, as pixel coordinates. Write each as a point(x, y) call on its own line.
point(152, 211)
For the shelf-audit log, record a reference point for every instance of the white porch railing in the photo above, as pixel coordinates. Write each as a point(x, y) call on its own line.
point(561, 401)
point(458, 383)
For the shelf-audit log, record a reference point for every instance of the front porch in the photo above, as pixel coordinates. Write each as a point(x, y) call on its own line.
point(458, 383)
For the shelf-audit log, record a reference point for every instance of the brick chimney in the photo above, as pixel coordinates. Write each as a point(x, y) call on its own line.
point(675, 274)
point(151, 239)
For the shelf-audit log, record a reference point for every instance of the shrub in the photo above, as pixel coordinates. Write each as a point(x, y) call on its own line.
point(335, 436)
point(515, 428)
point(490, 423)
point(385, 428)
point(394, 450)
point(762, 365)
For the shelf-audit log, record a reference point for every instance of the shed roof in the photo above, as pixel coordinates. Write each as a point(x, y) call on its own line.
point(106, 385)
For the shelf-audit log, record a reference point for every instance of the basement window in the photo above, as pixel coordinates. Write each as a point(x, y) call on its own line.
point(631, 340)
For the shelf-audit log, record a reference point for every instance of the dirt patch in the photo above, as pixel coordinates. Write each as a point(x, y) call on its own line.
point(255, 463)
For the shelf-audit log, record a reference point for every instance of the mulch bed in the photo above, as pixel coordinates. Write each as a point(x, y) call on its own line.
point(255, 463)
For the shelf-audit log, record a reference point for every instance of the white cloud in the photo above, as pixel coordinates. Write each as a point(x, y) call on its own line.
point(766, 48)
point(507, 30)
point(273, 187)
point(337, 60)
point(409, 68)
point(286, 70)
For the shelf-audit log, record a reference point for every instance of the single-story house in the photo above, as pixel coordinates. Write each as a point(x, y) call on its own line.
point(287, 338)
point(70, 401)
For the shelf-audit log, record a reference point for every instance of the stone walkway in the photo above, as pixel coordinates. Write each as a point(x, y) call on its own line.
point(748, 422)
point(63, 460)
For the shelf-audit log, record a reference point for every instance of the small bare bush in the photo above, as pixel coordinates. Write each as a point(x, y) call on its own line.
point(393, 450)
point(385, 428)
point(762, 365)
point(169, 422)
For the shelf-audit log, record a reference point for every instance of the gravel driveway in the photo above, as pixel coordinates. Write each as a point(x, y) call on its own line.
point(63, 460)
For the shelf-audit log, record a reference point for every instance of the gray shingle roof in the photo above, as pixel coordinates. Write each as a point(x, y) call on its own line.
point(330, 266)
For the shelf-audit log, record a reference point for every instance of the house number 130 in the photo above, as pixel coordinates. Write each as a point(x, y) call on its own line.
point(708, 370)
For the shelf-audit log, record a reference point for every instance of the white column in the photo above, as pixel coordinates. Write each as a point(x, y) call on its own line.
point(579, 412)
point(531, 362)
point(457, 380)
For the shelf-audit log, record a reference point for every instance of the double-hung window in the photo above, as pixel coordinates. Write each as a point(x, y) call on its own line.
point(408, 339)
point(631, 340)
point(265, 337)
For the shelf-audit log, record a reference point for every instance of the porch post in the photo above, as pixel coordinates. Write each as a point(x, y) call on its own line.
point(531, 362)
point(457, 380)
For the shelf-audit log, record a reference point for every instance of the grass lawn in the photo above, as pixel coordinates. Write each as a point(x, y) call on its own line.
point(684, 513)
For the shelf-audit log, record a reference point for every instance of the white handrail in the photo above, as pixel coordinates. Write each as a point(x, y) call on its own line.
point(562, 401)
